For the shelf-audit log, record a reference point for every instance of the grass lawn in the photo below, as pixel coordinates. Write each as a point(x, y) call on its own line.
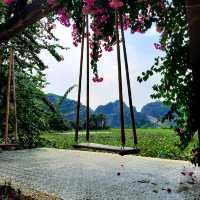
point(160, 143)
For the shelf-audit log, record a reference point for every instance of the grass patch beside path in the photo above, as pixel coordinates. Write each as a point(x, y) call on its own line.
point(159, 143)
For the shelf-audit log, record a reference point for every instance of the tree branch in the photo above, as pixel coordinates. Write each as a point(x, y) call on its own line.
point(31, 14)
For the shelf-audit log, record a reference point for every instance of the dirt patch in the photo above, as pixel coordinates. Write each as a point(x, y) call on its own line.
point(14, 191)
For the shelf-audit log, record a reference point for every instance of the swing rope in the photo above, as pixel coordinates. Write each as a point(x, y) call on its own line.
point(88, 85)
point(123, 138)
point(118, 23)
point(80, 82)
point(128, 81)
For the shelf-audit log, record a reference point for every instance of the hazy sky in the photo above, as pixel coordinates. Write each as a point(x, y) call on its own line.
point(141, 54)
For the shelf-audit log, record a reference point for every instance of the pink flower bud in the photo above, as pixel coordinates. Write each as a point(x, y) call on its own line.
point(116, 4)
point(8, 2)
point(159, 29)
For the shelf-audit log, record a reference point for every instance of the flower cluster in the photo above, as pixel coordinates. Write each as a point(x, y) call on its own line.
point(8, 2)
point(116, 4)
point(103, 23)
point(142, 19)
point(97, 79)
point(189, 176)
point(96, 53)
point(75, 35)
point(126, 22)
point(63, 17)
point(88, 5)
point(51, 2)
point(98, 41)
point(158, 46)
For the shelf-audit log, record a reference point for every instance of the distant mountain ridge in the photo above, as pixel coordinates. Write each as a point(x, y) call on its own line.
point(155, 109)
point(111, 110)
point(149, 116)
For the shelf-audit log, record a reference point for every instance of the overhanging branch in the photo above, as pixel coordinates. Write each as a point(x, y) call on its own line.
point(31, 14)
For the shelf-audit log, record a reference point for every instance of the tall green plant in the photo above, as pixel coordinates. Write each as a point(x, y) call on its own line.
point(56, 119)
point(30, 77)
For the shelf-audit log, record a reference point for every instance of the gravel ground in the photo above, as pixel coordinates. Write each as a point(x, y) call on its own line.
point(81, 175)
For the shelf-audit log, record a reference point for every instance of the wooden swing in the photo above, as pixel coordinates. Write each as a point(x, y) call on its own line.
point(11, 93)
point(114, 149)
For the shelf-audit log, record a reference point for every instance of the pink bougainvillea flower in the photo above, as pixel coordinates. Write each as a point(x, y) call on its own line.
point(136, 30)
point(64, 17)
point(89, 2)
point(88, 7)
point(159, 29)
point(108, 48)
point(185, 173)
point(190, 173)
point(96, 79)
point(116, 4)
point(169, 190)
point(118, 173)
point(149, 10)
point(51, 2)
point(85, 10)
point(100, 79)
point(126, 22)
point(141, 19)
point(158, 46)
point(8, 2)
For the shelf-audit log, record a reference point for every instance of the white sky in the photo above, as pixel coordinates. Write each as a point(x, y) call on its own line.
point(141, 54)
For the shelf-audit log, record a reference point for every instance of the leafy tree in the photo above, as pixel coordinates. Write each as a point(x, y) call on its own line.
point(30, 113)
point(30, 78)
point(56, 119)
point(176, 74)
point(97, 122)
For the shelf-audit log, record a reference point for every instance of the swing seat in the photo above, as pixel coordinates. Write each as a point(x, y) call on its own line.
point(107, 148)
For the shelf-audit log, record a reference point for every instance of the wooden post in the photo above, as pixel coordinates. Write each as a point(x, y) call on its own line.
point(8, 97)
point(193, 18)
point(14, 100)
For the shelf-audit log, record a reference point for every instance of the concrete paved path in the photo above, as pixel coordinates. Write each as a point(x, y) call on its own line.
point(76, 175)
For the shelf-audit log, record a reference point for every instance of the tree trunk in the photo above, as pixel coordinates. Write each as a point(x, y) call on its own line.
point(193, 17)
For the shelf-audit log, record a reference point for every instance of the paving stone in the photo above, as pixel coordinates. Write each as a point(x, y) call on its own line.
point(78, 175)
